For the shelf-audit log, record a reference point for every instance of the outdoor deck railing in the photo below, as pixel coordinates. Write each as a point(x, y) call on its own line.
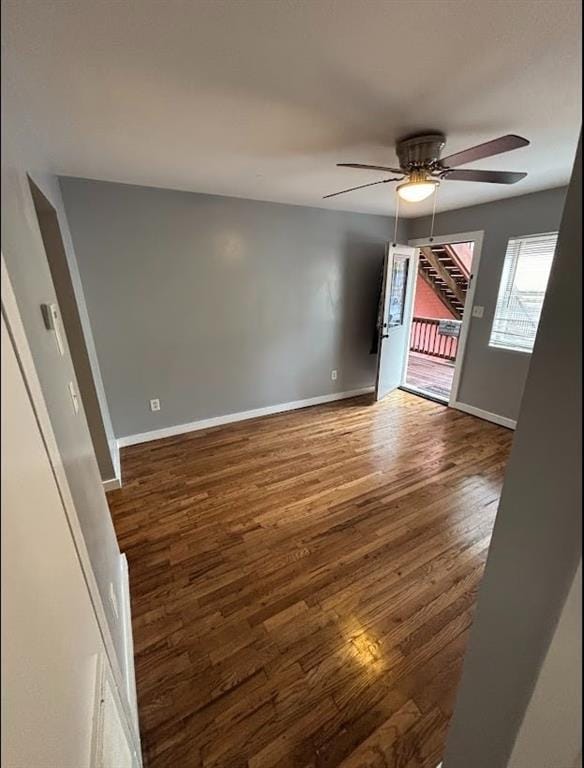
point(427, 339)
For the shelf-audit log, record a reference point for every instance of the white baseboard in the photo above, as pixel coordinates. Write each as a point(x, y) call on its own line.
point(128, 641)
point(111, 485)
point(115, 482)
point(502, 421)
point(216, 421)
point(116, 461)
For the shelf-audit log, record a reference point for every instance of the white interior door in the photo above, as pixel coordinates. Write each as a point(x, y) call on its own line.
point(394, 313)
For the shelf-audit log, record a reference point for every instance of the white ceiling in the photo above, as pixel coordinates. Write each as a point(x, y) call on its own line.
point(260, 98)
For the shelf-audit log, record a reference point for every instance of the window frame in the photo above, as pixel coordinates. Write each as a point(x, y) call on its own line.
point(504, 347)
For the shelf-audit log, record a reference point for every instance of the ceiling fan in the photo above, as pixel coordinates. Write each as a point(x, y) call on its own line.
point(423, 168)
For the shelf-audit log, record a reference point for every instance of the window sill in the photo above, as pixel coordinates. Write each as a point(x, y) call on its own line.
point(515, 350)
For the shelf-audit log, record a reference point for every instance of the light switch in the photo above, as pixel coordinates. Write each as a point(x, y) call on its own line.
point(74, 397)
point(478, 311)
point(52, 323)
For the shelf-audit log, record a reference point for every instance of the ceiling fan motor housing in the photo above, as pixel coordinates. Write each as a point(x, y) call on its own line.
point(420, 152)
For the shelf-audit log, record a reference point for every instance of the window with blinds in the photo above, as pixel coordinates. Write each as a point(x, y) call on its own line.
point(526, 270)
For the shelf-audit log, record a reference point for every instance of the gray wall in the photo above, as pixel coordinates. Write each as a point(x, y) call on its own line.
point(551, 731)
point(217, 305)
point(536, 542)
point(493, 379)
point(26, 262)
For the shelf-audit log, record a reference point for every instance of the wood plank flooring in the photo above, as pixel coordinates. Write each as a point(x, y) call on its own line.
point(430, 375)
point(303, 584)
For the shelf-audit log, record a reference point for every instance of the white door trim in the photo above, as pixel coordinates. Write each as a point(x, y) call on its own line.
point(410, 303)
point(460, 237)
point(17, 333)
point(104, 682)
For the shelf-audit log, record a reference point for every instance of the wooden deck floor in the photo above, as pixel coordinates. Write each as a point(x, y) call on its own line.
point(430, 375)
point(303, 584)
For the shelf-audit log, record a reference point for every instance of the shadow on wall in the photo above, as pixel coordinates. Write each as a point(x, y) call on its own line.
point(362, 262)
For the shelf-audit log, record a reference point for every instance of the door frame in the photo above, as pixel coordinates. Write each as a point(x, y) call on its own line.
point(460, 237)
point(125, 685)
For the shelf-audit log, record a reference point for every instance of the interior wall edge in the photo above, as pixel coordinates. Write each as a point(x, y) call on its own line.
point(537, 538)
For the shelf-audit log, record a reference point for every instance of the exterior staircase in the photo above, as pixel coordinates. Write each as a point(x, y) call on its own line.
point(442, 268)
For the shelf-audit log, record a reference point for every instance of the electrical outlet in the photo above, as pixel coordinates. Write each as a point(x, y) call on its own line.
point(333, 375)
point(478, 311)
point(114, 600)
point(155, 404)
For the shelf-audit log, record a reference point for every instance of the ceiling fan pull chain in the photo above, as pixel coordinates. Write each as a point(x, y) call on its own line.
point(433, 213)
point(396, 219)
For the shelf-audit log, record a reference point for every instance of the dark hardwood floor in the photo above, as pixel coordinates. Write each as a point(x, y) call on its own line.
point(303, 584)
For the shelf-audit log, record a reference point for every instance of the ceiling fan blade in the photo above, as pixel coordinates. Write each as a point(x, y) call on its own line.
point(492, 177)
point(361, 186)
point(369, 167)
point(488, 149)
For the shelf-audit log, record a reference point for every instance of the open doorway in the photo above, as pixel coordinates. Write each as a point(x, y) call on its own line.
point(438, 322)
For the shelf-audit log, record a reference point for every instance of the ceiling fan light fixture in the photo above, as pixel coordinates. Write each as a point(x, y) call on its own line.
point(417, 188)
point(420, 160)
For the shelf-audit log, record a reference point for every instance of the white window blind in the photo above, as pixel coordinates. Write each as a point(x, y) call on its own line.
point(526, 270)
